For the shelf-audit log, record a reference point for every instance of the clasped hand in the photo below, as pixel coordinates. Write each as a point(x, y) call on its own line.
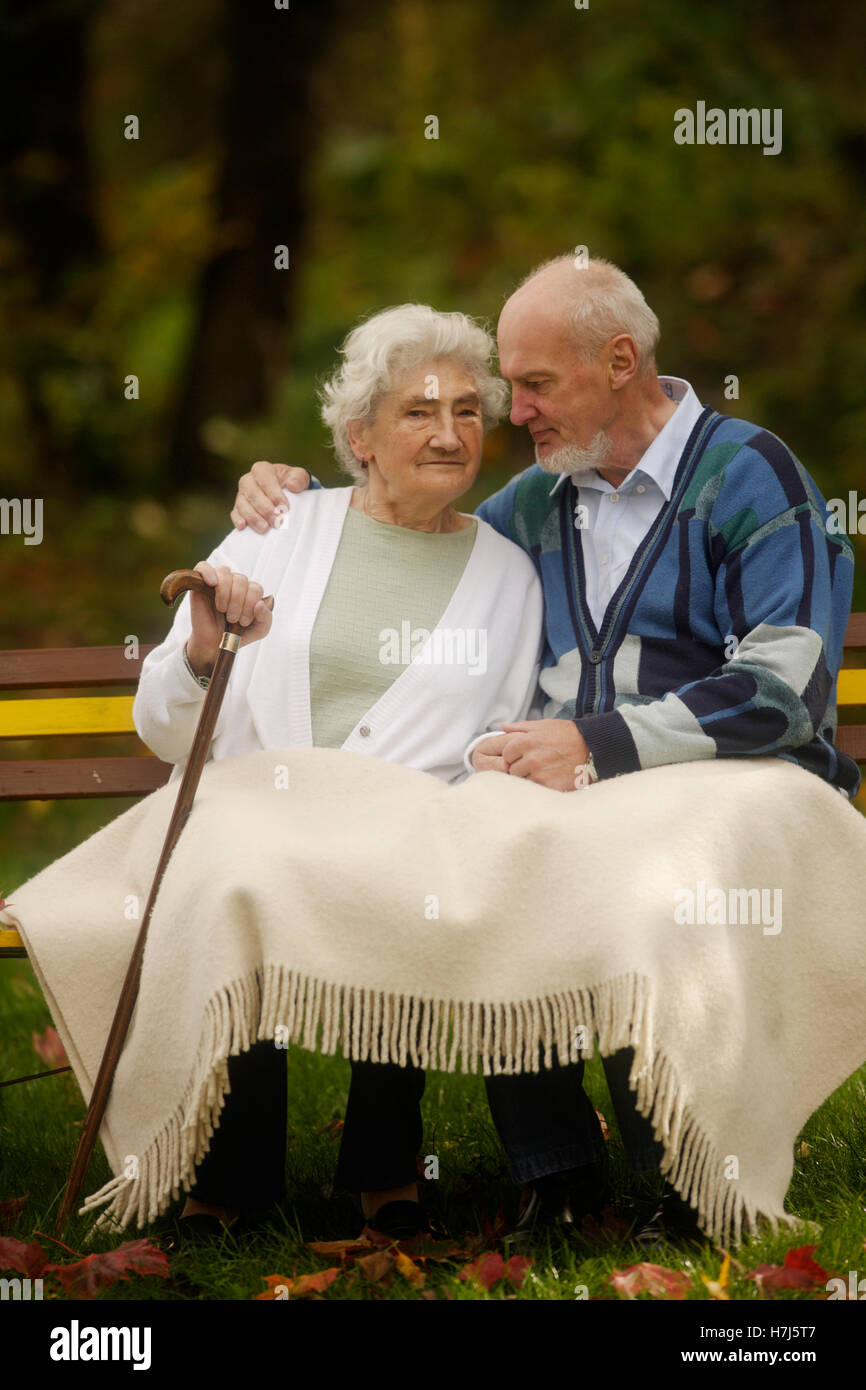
point(545, 750)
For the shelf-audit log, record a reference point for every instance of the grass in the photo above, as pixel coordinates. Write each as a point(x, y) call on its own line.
point(39, 1127)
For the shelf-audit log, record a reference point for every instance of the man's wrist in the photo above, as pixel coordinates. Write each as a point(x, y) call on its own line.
point(609, 740)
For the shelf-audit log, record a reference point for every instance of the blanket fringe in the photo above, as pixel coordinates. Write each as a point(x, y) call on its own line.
point(286, 1007)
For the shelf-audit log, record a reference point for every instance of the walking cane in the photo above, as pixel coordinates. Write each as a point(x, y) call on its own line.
point(173, 584)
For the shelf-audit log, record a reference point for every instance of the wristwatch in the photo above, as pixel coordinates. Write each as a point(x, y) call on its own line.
point(585, 773)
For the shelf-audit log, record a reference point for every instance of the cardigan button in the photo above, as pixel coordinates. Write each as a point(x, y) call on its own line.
point(364, 731)
point(595, 657)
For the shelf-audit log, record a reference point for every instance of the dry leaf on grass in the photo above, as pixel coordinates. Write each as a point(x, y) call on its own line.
point(302, 1286)
point(799, 1271)
point(86, 1277)
point(25, 1258)
point(649, 1278)
point(489, 1268)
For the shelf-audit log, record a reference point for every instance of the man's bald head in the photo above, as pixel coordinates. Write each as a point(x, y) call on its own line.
point(584, 305)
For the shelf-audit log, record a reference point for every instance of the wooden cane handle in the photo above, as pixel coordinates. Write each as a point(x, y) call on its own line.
point(180, 580)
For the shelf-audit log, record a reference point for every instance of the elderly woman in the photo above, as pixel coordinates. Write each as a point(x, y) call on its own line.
point(402, 629)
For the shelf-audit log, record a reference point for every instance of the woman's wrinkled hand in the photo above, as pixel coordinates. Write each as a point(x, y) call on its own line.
point(241, 600)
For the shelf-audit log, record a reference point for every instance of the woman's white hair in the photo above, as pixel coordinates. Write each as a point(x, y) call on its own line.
point(379, 350)
point(603, 303)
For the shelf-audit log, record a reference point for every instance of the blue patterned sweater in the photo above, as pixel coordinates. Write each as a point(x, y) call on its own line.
point(724, 638)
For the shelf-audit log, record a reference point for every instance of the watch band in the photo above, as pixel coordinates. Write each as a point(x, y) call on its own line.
point(203, 681)
point(585, 773)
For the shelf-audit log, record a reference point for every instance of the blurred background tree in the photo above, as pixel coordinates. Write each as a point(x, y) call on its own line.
point(259, 126)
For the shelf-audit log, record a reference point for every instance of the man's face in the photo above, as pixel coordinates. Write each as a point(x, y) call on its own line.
point(566, 404)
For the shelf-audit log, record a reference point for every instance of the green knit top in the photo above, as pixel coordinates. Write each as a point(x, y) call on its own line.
point(387, 582)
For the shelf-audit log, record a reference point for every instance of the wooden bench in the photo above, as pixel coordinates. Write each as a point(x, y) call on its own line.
point(31, 714)
point(42, 707)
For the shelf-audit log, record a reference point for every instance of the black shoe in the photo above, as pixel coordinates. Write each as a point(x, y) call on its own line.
point(673, 1221)
point(560, 1201)
point(399, 1220)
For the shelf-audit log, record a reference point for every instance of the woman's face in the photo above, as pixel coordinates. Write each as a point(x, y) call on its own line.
point(427, 435)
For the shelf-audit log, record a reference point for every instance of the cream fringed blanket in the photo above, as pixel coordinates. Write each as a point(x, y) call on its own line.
point(471, 923)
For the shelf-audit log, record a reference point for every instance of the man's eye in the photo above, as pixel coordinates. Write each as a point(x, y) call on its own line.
point(419, 412)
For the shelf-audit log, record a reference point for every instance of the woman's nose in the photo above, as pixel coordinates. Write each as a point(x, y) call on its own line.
point(446, 436)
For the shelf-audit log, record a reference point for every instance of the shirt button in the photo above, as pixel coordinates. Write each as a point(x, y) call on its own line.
point(595, 657)
point(614, 496)
point(604, 559)
point(640, 488)
point(364, 731)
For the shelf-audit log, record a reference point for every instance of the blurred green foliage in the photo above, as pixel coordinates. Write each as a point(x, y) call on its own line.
point(555, 130)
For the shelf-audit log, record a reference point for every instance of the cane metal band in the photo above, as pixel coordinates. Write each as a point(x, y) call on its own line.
point(230, 641)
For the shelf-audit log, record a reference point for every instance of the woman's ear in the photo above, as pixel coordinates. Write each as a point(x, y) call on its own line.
point(358, 439)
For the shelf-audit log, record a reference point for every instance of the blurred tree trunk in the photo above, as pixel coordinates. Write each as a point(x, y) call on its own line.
point(47, 192)
point(245, 303)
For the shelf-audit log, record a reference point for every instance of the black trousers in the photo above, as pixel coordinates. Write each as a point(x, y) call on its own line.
point(245, 1167)
point(545, 1121)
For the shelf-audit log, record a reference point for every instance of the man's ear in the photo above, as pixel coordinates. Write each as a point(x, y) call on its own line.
point(623, 361)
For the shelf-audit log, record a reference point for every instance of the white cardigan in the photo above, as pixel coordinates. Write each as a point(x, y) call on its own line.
point(429, 715)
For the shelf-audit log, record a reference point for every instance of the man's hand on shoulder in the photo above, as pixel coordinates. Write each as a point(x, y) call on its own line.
point(260, 502)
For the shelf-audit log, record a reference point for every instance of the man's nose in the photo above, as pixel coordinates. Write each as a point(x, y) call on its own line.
point(522, 409)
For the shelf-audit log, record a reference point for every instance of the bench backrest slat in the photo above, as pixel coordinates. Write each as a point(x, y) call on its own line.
point(855, 633)
point(61, 667)
point(64, 779)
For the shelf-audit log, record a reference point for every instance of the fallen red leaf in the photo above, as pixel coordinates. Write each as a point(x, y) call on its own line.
point(50, 1049)
point(651, 1279)
point(304, 1286)
point(516, 1269)
point(799, 1271)
point(29, 1259)
point(10, 1211)
point(486, 1269)
point(86, 1277)
point(801, 1260)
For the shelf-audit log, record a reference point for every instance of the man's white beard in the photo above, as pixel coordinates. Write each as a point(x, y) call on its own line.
point(572, 459)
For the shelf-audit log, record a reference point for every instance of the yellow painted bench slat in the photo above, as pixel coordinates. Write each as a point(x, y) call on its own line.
point(112, 714)
point(851, 689)
point(99, 714)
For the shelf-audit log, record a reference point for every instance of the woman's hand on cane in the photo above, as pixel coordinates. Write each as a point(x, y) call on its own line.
point(239, 599)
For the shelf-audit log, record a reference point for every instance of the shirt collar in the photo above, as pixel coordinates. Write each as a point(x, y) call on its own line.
point(660, 460)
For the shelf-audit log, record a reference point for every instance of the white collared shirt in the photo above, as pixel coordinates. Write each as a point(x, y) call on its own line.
point(613, 521)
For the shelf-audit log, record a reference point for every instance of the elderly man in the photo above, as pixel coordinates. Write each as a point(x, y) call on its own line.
point(695, 607)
